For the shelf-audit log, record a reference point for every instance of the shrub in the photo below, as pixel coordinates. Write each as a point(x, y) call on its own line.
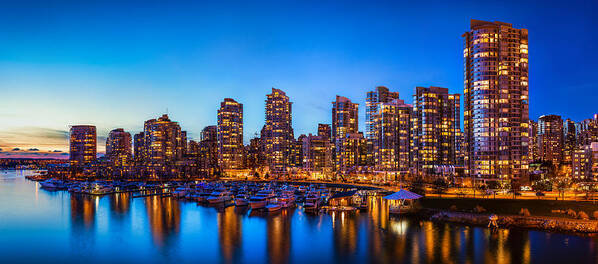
point(454, 208)
point(583, 216)
point(595, 215)
point(479, 209)
point(524, 212)
point(571, 213)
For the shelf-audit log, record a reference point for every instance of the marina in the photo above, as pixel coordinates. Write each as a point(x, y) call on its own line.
point(156, 229)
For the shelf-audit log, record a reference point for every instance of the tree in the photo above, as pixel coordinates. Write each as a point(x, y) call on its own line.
point(482, 187)
point(515, 188)
point(418, 186)
point(562, 184)
point(541, 186)
point(440, 186)
point(494, 185)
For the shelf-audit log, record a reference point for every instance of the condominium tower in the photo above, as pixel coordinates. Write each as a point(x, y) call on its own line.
point(392, 137)
point(163, 141)
point(118, 147)
point(82, 145)
point(139, 151)
point(344, 121)
point(344, 117)
point(373, 98)
point(230, 134)
point(277, 133)
point(435, 127)
point(550, 138)
point(496, 100)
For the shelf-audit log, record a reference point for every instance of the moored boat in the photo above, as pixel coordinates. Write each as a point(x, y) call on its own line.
point(273, 207)
point(287, 199)
point(241, 200)
point(203, 196)
point(219, 197)
point(261, 199)
point(312, 201)
point(52, 184)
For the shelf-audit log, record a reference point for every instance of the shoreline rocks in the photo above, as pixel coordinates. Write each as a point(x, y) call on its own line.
point(517, 221)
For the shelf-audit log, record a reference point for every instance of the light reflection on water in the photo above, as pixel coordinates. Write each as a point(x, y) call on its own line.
point(38, 225)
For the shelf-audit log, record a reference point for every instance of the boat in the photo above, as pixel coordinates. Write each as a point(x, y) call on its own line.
point(203, 196)
point(241, 200)
point(261, 199)
point(180, 192)
point(219, 197)
point(101, 189)
point(52, 184)
point(287, 199)
point(273, 207)
point(192, 196)
point(312, 201)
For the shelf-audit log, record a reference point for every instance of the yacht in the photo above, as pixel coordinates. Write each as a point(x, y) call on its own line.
point(287, 199)
point(180, 192)
point(261, 199)
point(273, 207)
point(52, 184)
point(219, 197)
point(242, 199)
point(203, 196)
point(312, 201)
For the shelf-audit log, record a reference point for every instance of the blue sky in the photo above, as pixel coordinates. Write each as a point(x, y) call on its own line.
point(117, 64)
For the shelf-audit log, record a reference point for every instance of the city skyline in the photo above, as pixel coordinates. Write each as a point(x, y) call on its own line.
point(36, 127)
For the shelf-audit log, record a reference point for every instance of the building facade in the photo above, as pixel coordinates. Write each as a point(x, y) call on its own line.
point(584, 163)
point(163, 141)
point(550, 139)
point(534, 147)
point(344, 121)
point(496, 101)
point(588, 131)
point(435, 126)
point(324, 130)
point(208, 150)
point(373, 99)
point(277, 134)
point(118, 147)
point(392, 137)
point(139, 151)
point(230, 135)
point(352, 153)
point(344, 117)
point(82, 145)
point(317, 155)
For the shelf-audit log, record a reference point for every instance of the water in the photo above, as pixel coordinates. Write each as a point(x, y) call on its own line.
point(37, 225)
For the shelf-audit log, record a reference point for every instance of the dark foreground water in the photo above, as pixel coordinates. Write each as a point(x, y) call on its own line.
point(55, 227)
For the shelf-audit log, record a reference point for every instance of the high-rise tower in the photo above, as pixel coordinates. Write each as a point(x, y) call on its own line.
point(496, 100)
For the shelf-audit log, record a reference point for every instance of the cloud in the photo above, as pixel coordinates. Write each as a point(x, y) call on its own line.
point(33, 149)
point(32, 155)
point(34, 137)
point(16, 149)
point(57, 150)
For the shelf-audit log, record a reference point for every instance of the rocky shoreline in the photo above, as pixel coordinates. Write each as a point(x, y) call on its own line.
point(554, 224)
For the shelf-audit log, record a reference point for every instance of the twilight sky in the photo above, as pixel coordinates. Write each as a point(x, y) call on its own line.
point(118, 64)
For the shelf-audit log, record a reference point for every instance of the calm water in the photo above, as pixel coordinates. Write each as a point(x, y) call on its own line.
point(43, 226)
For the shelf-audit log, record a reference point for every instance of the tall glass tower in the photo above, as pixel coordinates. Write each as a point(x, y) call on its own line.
point(496, 101)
